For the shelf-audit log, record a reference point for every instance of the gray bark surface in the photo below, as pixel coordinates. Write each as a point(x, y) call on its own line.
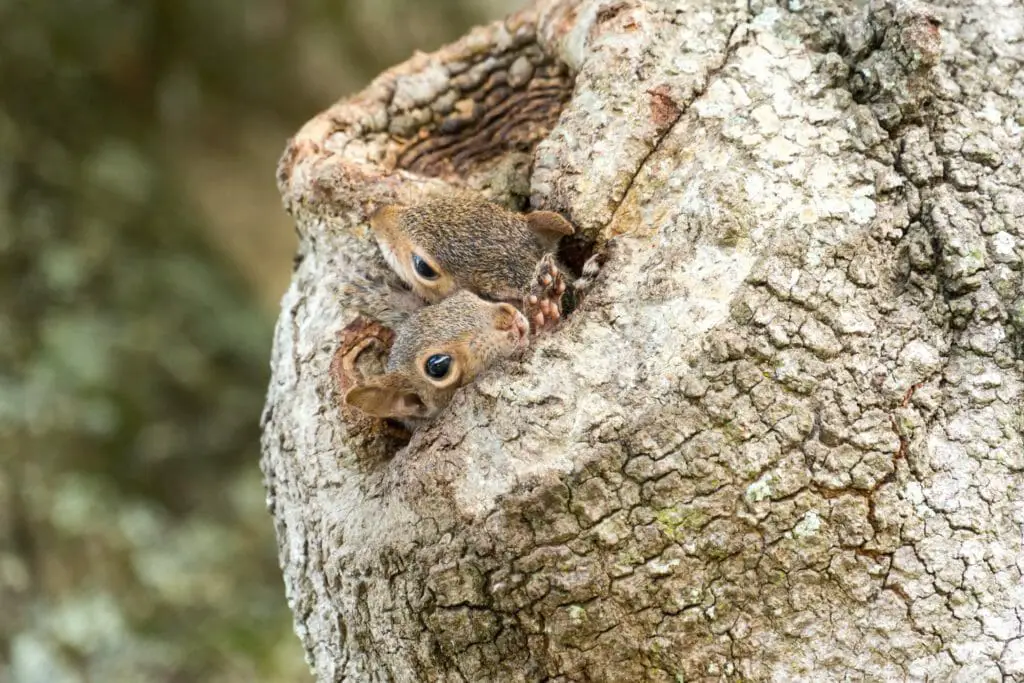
point(782, 440)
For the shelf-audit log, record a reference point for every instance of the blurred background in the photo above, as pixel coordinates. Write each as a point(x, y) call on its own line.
point(143, 252)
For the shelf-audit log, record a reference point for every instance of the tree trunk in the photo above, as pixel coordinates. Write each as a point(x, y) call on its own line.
point(781, 441)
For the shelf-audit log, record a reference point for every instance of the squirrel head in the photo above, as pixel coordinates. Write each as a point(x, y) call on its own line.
point(466, 242)
point(439, 349)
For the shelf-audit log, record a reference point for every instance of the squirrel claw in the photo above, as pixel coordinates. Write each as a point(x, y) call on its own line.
point(543, 305)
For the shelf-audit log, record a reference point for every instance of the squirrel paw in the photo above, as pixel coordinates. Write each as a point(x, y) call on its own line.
point(592, 267)
point(543, 305)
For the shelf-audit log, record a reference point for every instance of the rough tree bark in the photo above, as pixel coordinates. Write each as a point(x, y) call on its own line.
point(782, 441)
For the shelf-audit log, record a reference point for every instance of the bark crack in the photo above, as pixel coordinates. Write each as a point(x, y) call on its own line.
point(665, 102)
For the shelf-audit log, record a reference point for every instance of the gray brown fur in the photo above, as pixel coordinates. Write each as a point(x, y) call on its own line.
point(474, 333)
point(473, 243)
point(486, 248)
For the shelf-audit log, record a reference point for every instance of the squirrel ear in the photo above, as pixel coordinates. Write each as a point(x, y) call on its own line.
point(384, 398)
point(550, 223)
point(386, 217)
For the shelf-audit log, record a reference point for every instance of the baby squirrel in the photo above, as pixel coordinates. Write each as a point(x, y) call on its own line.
point(463, 241)
point(472, 260)
point(436, 350)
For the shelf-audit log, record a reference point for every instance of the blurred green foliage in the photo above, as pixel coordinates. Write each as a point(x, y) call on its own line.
point(134, 542)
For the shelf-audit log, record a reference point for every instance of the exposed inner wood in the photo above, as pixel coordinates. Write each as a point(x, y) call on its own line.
point(509, 104)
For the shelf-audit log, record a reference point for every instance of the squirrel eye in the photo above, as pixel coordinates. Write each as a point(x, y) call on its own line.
point(438, 365)
point(423, 268)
